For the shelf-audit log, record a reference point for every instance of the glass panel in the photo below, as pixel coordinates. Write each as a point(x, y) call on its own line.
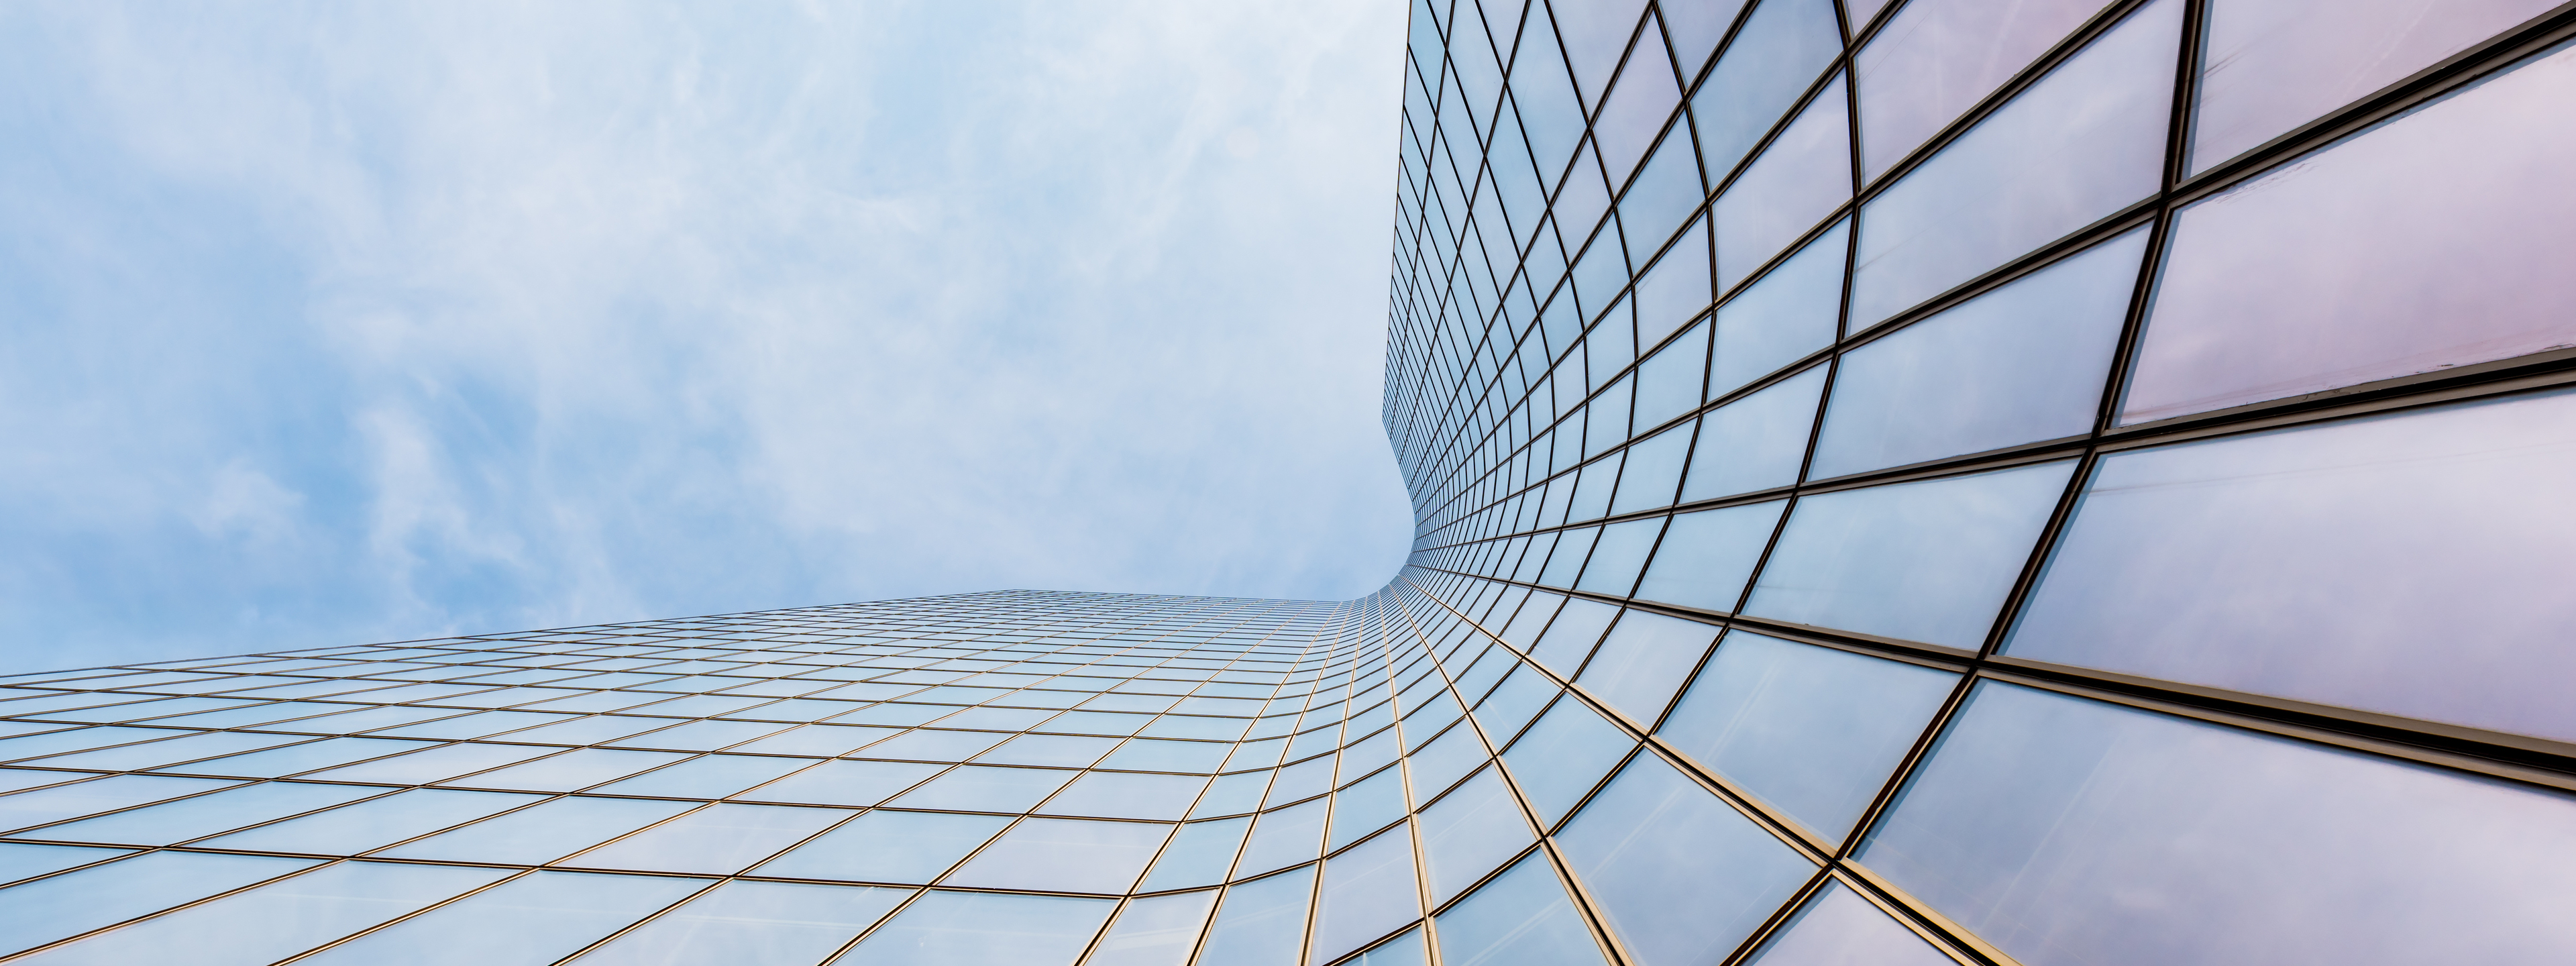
point(2065, 831)
point(2404, 563)
point(476, 725)
point(1065, 751)
point(2077, 146)
point(2023, 363)
point(713, 776)
point(906, 847)
point(699, 735)
point(1757, 442)
point(1522, 918)
point(46, 910)
point(1802, 176)
point(1786, 316)
point(544, 832)
point(1812, 730)
point(1927, 561)
point(570, 771)
point(1368, 892)
point(25, 860)
point(1119, 795)
point(976, 788)
point(1643, 661)
point(935, 745)
point(1937, 58)
point(374, 824)
point(533, 920)
point(1468, 833)
point(844, 783)
point(2274, 65)
point(277, 920)
point(1779, 52)
point(1233, 794)
point(423, 767)
point(1284, 838)
point(751, 924)
point(207, 745)
point(1147, 754)
point(1262, 922)
point(1063, 855)
point(1675, 290)
point(1575, 630)
point(1682, 878)
point(204, 815)
point(721, 838)
point(1561, 757)
point(1654, 467)
point(1620, 552)
point(1311, 777)
point(1438, 764)
point(1707, 556)
point(821, 739)
point(2287, 286)
point(1572, 547)
point(1366, 807)
point(1200, 855)
point(1155, 931)
point(292, 759)
point(1838, 928)
point(1503, 714)
point(89, 798)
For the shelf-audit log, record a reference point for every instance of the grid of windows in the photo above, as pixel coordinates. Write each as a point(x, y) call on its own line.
point(1898, 481)
point(2067, 482)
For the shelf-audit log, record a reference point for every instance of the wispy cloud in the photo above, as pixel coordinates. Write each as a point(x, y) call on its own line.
point(336, 323)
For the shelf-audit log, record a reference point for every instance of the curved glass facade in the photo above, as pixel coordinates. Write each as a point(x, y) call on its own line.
point(1897, 482)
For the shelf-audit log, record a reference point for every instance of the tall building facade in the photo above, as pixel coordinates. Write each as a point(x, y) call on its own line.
point(1900, 482)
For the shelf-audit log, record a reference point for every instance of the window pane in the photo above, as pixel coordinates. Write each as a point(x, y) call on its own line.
point(1283, 838)
point(935, 745)
point(1838, 928)
point(1812, 730)
point(1233, 794)
point(1757, 442)
point(2066, 831)
point(1368, 892)
point(2020, 364)
point(723, 838)
point(751, 924)
point(423, 767)
point(1682, 877)
point(292, 759)
point(149, 754)
point(2082, 143)
point(821, 739)
point(1618, 555)
point(277, 920)
point(2292, 284)
point(1788, 315)
point(1147, 754)
point(1468, 833)
point(1802, 176)
point(1366, 807)
point(1063, 751)
point(1063, 855)
point(1122, 795)
point(373, 824)
point(713, 776)
point(1707, 556)
point(2276, 64)
point(976, 788)
point(1155, 931)
point(39, 912)
point(2404, 563)
point(1576, 628)
point(905, 847)
point(844, 783)
point(204, 815)
point(532, 920)
point(1778, 53)
point(1927, 561)
point(1522, 918)
point(700, 735)
point(89, 798)
point(1200, 855)
point(1654, 468)
point(1643, 661)
point(26, 860)
point(1262, 922)
point(1939, 57)
point(544, 832)
point(570, 771)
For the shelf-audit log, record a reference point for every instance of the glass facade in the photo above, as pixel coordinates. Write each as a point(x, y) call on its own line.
point(1914, 481)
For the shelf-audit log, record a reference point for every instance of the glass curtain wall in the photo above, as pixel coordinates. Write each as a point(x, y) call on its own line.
point(1898, 482)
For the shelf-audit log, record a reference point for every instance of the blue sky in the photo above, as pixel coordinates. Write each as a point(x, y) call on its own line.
point(334, 323)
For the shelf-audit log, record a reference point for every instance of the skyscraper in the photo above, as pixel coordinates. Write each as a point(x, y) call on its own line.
point(1903, 482)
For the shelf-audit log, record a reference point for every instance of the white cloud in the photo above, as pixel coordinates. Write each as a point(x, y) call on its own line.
point(506, 316)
